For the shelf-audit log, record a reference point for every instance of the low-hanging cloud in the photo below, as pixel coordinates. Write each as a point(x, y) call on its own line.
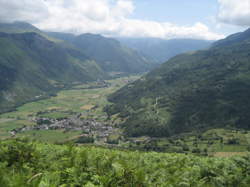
point(109, 17)
point(236, 12)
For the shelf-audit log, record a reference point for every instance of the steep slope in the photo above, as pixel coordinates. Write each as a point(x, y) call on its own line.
point(159, 50)
point(68, 37)
point(108, 52)
point(235, 38)
point(32, 66)
point(17, 27)
point(205, 89)
point(23, 27)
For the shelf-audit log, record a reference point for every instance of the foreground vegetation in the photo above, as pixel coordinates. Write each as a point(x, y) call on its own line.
point(30, 164)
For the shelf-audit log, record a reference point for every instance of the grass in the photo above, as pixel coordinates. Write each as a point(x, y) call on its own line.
point(59, 114)
point(7, 126)
point(87, 107)
point(209, 142)
point(50, 136)
point(229, 154)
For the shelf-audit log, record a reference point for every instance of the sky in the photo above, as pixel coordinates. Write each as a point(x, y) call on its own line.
point(166, 19)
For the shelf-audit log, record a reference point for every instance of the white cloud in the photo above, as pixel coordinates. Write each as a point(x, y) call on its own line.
point(139, 28)
point(235, 12)
point(25, 10)
point(123, 8)
point(109, 17)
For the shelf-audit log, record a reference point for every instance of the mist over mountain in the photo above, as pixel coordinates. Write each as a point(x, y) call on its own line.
point(160, 50)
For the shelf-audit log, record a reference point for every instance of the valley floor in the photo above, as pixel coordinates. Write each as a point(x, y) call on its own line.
point(80, 109)
point(77, 115)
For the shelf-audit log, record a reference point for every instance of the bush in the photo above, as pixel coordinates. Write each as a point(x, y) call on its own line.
point(85, 139)
point(233, 141)
point(196, 150)
point(112, 141)
point(248, 148)
point(185, 147)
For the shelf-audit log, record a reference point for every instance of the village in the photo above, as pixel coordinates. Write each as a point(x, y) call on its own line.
point(82, 123)
point(88, 127)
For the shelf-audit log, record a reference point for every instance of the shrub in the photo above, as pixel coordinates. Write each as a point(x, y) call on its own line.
point(85, 139)
point(233, 141)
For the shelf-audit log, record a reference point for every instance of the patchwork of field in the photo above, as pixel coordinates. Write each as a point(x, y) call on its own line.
point(87, 99)
point(214, 142)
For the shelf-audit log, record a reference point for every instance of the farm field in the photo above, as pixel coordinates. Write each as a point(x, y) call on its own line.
point(214, 142)
point(87, 100)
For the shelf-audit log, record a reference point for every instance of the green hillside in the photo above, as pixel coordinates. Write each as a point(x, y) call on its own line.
point(107, 52)
point(18, 27)
point(234, 38)
point(23, 27)
point(191, 92)
point(110, 55)
point(31, 164)
point(33, 67)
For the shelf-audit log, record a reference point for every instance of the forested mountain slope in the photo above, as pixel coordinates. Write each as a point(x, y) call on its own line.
point(18, 27)
point(107, 52)
point(234, 38)
point(32, 66)
point(110, 55)
point(195, 91)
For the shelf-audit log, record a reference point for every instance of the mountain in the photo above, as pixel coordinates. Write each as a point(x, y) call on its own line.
point(18, 27)
point(109, 53)
point(190, 92)
point(68, 37)
point(159, 50)
point(35, 64)
point(234, 39)
point(23, 27)
point(32, 67)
